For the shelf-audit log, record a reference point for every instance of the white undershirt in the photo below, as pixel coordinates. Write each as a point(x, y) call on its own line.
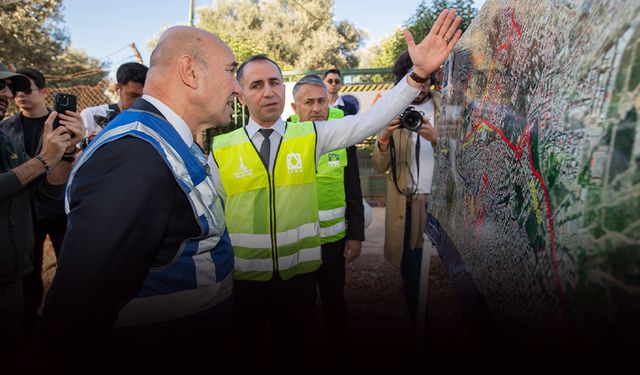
point(426, 154)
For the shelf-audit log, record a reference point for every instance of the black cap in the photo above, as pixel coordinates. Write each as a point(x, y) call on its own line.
point(19, 81)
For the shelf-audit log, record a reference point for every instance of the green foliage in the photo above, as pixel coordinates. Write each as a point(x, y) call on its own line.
point(297, 34)
point(32, 36)
point(419, 25)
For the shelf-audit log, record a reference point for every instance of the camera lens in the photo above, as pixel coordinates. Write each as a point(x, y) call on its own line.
point(411, 119)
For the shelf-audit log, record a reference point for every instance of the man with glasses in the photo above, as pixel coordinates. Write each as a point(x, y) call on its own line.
point(16, 231)
point(27, 128)
point(333, 81)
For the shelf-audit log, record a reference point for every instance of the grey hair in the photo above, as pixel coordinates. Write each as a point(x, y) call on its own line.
point(309, 79)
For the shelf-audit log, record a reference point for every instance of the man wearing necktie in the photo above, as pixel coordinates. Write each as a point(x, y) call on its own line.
point(271, 197)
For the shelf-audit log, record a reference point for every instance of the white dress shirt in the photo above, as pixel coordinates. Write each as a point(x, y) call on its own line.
point(338, 133)
point(338, 102)
point(176, 121)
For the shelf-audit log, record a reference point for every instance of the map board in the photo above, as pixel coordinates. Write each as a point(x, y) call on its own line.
point(537, 180)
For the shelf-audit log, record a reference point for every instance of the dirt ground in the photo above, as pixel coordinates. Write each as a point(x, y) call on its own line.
point(380, 324)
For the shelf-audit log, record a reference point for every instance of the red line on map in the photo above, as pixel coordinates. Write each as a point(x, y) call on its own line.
point(515, 25)
point(485, 178)
point(525, 139)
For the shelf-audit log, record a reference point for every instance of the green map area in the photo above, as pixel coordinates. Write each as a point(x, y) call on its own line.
point(537, 180)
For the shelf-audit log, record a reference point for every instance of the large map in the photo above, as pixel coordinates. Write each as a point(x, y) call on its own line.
point(537, 181)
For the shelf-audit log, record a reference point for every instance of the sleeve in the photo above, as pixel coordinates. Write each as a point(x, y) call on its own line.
point(349, 130)
point(87, 119)
point(381, 160)
point(355, 209)
point(120, 206)
point(9, 185)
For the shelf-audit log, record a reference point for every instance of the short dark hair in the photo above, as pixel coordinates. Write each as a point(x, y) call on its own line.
point(131, 71)
point(402, 66)
point(260, 57)
point(334, 71)
point(35, 75)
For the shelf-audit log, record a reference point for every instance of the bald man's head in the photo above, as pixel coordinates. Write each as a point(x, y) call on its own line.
point(183, 40)
point(192, 72)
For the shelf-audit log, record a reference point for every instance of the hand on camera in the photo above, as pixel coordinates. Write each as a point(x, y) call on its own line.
point(385, 134)
point(427, 131)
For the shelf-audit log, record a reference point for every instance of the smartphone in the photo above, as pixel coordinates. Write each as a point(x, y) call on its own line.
point(63, 102)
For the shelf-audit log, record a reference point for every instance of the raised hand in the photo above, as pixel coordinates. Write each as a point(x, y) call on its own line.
point(428, 55)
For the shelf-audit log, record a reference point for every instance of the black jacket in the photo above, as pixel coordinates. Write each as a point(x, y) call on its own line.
point(44, 207)
point(127, 215)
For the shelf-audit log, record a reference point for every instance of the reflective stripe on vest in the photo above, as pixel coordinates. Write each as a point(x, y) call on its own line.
point(331, 195)
point(201, 275)
point(272, 218)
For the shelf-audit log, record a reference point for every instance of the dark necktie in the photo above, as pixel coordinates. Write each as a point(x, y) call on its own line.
point(265, 147)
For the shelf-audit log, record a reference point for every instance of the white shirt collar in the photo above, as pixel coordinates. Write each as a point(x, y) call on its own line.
point(338, 102)
point(176, 121)
point(252, 127)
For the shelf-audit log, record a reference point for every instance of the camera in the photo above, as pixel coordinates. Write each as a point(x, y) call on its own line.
point(411, 119)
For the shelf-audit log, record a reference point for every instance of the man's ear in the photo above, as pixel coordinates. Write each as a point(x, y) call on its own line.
point(118, 88)
point(293, 106)
point(187, 71)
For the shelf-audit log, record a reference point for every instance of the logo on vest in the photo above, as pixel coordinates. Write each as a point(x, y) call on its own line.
point(334, 160)
point(294, 163)
point(243, 171)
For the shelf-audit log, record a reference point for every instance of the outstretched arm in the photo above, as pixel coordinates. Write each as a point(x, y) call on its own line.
point(427, 56)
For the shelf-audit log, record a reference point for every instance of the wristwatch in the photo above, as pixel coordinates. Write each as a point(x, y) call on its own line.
point(414, 76)
point(70, 157)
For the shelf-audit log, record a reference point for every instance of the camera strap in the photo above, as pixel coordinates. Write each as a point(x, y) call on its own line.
point(394, 172)
point(113, 111)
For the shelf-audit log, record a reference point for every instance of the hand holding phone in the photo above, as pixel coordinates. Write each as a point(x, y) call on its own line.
point(63, 102)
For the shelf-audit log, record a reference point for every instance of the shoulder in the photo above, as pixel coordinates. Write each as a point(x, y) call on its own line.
point(9, 121)
point(130, 158)
point(97, 110)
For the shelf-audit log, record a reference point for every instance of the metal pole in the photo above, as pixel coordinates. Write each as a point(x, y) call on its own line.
point(191, 11)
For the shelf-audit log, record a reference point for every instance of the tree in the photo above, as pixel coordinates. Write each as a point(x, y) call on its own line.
point(32, 36)
point(298, 34)
point(419, 24)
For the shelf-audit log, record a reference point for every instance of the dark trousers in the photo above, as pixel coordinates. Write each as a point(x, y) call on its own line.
point(331, 279)
point(410, 268)
point(55, 227)
point(273, 318)
point(11, 306)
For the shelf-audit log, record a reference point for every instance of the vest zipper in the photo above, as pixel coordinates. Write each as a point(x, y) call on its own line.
point(272, 220)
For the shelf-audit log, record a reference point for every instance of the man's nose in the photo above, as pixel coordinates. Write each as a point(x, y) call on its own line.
point(268, 91)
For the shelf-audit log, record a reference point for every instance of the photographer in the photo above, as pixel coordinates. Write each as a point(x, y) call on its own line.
point(131, 77)
point(405, 148)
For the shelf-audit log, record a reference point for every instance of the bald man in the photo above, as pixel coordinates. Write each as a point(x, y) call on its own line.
point(147, 250)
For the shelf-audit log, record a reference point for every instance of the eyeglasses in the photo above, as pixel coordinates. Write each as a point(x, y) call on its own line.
point(4, 84)
point(26, 91)
point(331, 81)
